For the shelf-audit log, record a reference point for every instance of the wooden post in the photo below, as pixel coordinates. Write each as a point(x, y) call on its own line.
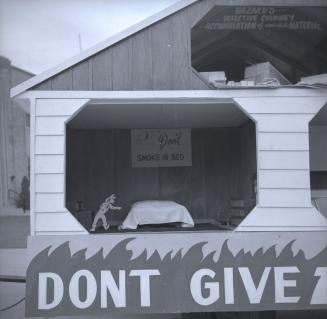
point(284, 194)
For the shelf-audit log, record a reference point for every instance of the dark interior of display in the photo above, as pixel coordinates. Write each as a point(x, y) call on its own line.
point(318, 160)
point(318, 180)
point(318, 150)
point(223, 170)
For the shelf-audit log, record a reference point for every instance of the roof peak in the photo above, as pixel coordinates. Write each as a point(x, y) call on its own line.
point(101, 46)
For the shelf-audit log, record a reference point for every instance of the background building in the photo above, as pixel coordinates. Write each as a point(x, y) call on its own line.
point(14, 136)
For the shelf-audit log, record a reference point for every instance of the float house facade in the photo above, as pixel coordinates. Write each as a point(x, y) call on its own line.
point(139, 117)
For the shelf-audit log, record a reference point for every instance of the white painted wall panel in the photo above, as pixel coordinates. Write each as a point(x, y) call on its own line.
point(284, 179)
point(49, 164)
point(290, 104)
point(57, 222)
point(284, 219)
point(49, 183)
point(279, 153)
point(283, 122)
point(49, 144)
point(283, 160)
point(58, 107)
point(283, 147)
point(50, 125)
point(285, 198)
point(49, 203)
point(283, 141)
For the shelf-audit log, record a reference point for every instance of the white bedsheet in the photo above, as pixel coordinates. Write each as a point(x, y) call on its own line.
point(157, 212)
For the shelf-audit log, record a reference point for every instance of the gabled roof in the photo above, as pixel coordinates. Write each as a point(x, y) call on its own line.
point(100, 46)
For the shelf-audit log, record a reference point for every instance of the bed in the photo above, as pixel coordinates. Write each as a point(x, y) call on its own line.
point(155, 212)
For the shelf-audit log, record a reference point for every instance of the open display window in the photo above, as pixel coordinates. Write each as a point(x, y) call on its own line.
point(207, 165)
point(260, 46)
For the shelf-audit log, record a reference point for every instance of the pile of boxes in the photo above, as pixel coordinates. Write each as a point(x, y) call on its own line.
point(261, 74)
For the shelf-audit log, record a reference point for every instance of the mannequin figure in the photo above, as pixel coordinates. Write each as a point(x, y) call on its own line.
point(108, 204)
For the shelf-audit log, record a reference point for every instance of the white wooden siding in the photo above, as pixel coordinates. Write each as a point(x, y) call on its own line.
point(49, 213)
point(49, 183)
point(285, 197)
point(50, 145)
point(282, 105)
point(56, 222)
point(283, 218)
point(49, 164)
point(283, 141)
point(50, 125)
point(281, 179)
point(283, 162)
point(283, 122)
point(50, 202)
point(58, 107)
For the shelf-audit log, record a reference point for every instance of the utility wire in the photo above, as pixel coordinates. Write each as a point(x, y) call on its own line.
point(13, 305)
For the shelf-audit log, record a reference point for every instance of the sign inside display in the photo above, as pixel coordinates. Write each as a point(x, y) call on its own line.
point(161, 147)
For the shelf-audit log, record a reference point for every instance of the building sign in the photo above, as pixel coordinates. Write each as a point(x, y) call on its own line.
point(176, 272)
point(161, 147)
point(247, 18)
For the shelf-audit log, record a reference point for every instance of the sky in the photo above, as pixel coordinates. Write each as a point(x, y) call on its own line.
point(39, 34)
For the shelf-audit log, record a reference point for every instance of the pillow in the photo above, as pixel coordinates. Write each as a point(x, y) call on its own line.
point(157, 212)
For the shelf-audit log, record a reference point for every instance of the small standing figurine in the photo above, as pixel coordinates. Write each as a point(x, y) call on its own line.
point(101, 214)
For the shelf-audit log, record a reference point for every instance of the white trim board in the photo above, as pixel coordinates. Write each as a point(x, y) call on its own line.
point(174, 95)
point(100, 46)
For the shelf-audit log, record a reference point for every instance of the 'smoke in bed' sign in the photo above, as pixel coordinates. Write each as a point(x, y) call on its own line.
point(169, 273)
point(161, 147)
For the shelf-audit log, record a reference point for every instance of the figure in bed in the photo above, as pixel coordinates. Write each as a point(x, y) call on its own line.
point(108, 204)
